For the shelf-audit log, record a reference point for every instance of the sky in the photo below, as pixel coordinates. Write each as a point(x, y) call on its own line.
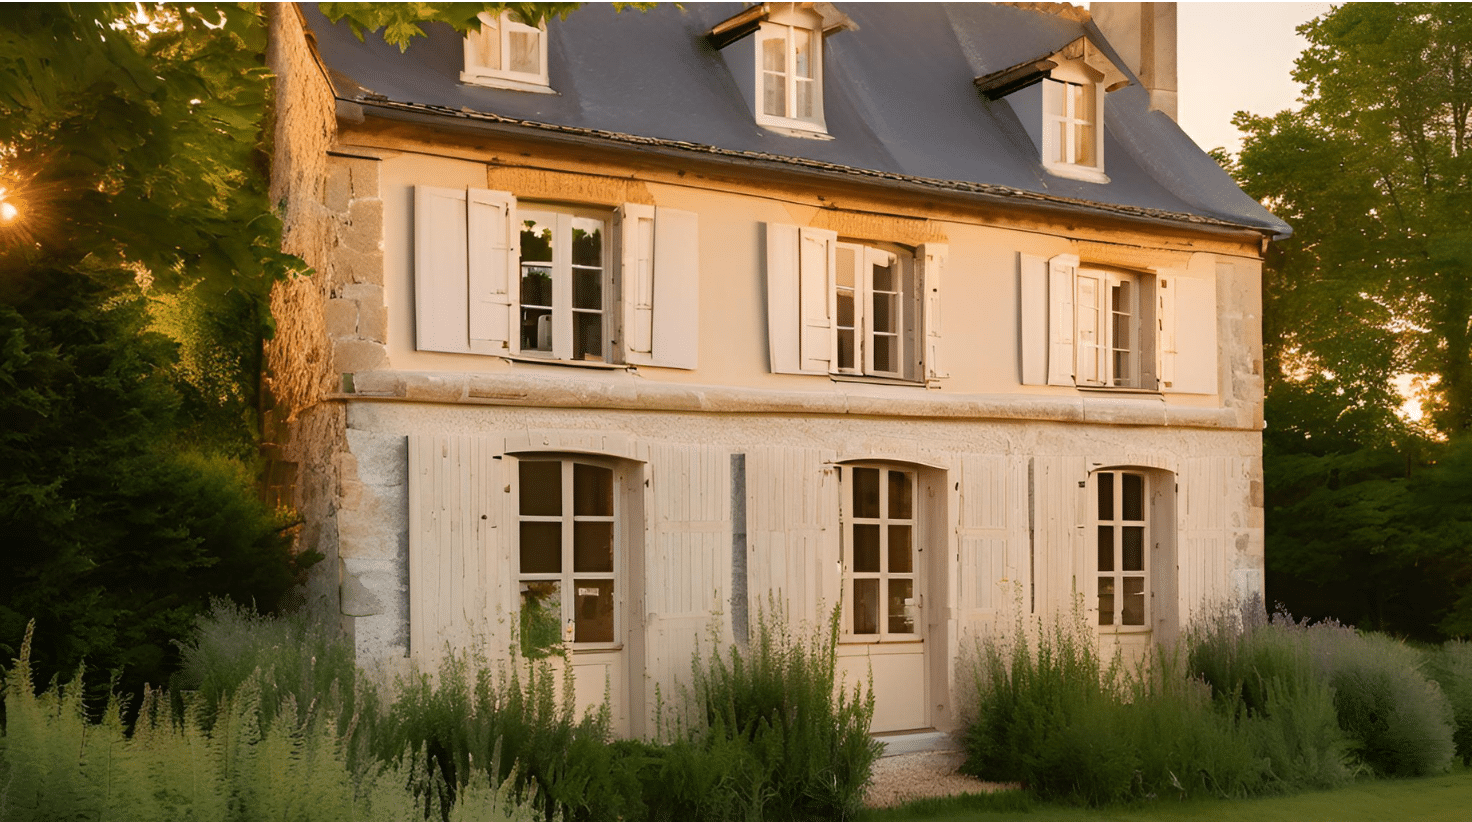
point(1234, 57)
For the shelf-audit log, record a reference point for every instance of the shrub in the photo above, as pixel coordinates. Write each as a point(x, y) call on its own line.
point(1398, 721)
point(767, 734)
point(1451, 667)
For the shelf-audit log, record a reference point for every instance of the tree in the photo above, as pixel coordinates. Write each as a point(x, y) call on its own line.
point(1373, 174)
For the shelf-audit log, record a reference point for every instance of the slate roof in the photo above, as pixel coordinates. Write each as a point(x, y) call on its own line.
point(899, 99)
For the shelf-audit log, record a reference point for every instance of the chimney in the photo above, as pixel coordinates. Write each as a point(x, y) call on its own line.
point(1144, 34)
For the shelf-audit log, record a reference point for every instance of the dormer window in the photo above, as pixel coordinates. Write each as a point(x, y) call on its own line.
point(1059, 99)
point(780, 68)
point(1071, 114)
point(507, 53)
point(790, 77)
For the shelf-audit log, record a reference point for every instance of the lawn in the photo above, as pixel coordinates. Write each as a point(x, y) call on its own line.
point(1447, 797)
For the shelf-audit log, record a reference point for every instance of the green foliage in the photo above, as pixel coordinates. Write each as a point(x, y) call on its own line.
point(1451, 668)
point(768, 735)
point(1373, 174)
point(286, 764)
point(402, 22)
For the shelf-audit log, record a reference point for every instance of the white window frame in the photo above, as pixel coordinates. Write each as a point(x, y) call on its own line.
point(560, 333)
point(503, 27)
point(1117, 525)
point(568, 577)
point(1108, 331)
point(884, 575)
point(790, 120)
point(904, 313)
point(1062, 159)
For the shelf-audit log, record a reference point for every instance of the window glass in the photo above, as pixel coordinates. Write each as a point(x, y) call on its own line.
point(568, 557)
point(879, 563)
point(774, 75)
point(564, 285)
point(1121, 547)
point(873, 299)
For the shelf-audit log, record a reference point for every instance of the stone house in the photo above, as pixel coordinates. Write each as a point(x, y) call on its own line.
point(624, 326)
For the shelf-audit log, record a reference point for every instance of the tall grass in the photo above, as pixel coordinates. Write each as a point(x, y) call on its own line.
point(270, 719)
point(1451, 667)
point(1245, 707)
point(58, 764)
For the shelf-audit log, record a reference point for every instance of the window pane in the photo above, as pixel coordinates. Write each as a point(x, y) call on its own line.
point(1106, 548)
point(846, 349)
point(866, 606)
point(866, 492)
point(901, 618)
point(1106, 496)
point(1133, 607)
point(536, 285)
point(536, 329)
point(1062, 153)
point(541, 547)
point(900, 504)
point(587, 335)
point(1132, 548)
point(1106, 600)
point(1053, 98)
point(587, 288)
point(844, 265)
point(541, 617)
point(803, 92)
point(802, 46)
point(541, 488)
point(487, 44)
point(536, 239)
point(1084, 146)
point(883, 318)
point(593, 611)
point(525, 52)
point(1134, 497)
point(886, 354)
point(884, 278)
point(866, 548)
point(587, 242)
point(845, 301)
point(592, 547)
point(774, 95)
point(901, 555)
point(592, 490)
point(774, 53)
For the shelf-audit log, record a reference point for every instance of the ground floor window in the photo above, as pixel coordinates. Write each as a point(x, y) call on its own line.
point(1121, 527)
point(568, 552)
point(881, 590)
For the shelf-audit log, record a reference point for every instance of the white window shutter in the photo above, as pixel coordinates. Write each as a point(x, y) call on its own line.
point(816, 248)
point(783, 325)
point(1165, 319)
point(676, 323)
point(441, 304)
point(1090, 337)
point(1061, 271)
point(931, 260)
point(493, 262)
point(636, 235)
point(1194, 370)
point(1033, 318)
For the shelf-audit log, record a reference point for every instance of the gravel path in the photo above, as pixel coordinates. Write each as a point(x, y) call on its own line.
point(907, 777)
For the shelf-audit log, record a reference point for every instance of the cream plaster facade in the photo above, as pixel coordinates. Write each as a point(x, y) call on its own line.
point(730, 477)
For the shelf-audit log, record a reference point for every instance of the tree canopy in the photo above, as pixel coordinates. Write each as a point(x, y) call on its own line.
point(1370, 512)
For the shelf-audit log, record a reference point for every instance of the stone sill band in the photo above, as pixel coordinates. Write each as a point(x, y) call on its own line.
point(854, 400)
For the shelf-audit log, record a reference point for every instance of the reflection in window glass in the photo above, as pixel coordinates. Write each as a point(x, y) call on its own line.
point(879, 564)
point(564, 285)
point(568, 557)
point(1122, 541)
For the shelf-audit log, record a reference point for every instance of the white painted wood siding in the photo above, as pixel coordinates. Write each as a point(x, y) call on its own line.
point(458, 557)
point(792, 531)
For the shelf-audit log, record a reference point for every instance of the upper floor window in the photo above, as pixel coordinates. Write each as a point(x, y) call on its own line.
point(565, 288)
point(790, 77)
point(849, 308)
point(507, 53)
point(555, 282)
point(1094, 326)
point(1070, 123)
